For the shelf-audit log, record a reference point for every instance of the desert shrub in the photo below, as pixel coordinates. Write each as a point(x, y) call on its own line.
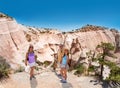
point(47, 63)
point(36, 68)
point(5, 16)
point(39, 63)
point(114, 73)
point(4, 68)
point(91, 68)
point(79, 69)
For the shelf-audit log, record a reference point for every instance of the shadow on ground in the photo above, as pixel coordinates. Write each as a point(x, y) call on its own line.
point(64, 85)
point(67, 85)
point(111, 84)
point(33, 83)
point(106, 84)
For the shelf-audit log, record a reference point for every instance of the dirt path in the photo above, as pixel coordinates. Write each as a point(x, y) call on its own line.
point(44, 80)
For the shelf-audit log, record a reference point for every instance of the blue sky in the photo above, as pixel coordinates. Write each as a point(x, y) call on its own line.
point(63, 14)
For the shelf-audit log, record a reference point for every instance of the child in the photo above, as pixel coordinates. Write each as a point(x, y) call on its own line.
point(31, 59)
point(64, 63)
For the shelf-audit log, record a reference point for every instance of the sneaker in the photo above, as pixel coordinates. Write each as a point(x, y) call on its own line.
point(63, 81)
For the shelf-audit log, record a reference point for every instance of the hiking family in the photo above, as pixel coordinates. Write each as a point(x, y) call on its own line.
point(63, 60)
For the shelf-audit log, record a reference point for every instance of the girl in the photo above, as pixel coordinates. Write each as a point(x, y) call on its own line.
point(31, 59)
point(64, 63)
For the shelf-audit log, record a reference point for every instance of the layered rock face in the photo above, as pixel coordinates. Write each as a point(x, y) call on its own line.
point(15, 40)
point(11, 38)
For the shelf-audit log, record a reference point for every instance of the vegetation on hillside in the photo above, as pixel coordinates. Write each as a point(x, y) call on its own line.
point(90, 28)
point(5, 16)
point(79, 70)
point(114, 73)
point(114, 69)
point(106, 51)
point(106, 48)
point(4, 68)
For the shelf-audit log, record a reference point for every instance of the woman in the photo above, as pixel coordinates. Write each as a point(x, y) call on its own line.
point(31, 59)
point(64, 63)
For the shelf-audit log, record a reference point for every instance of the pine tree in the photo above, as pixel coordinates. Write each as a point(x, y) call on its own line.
point(106, 48)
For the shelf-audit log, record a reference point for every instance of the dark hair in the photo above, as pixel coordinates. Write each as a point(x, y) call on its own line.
point(31, 46)
point(67, 52)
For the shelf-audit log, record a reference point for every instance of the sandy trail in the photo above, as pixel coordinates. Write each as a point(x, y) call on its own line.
point(47, 79)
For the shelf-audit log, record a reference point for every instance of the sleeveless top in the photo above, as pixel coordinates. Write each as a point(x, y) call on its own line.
point(64, 60)
point(31, 57)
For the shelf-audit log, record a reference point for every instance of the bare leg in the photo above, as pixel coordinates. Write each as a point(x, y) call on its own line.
point(61, 71)
point(65, 73)
point(31, 72)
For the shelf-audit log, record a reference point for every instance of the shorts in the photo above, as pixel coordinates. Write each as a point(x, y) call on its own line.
point(63, 66)
point(32, 64)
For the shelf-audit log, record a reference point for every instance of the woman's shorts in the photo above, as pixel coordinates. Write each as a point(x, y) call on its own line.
point(32, 64)
point(63, 66)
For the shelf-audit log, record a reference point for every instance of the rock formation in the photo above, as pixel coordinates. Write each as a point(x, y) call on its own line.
point(15, 39)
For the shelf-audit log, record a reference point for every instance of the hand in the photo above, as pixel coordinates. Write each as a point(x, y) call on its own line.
point(26, 62)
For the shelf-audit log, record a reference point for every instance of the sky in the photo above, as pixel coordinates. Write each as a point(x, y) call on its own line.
point(64, 15)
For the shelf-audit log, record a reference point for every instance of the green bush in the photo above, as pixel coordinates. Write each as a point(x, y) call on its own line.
point(39, 63)
point(47, 63)
point(36, 68)
point(4, 68)
point(91, 68)
point(79, 69)
point(114, 74)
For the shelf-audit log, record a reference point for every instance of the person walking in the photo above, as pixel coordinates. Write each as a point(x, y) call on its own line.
point(64, 64)
point(31, 60)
